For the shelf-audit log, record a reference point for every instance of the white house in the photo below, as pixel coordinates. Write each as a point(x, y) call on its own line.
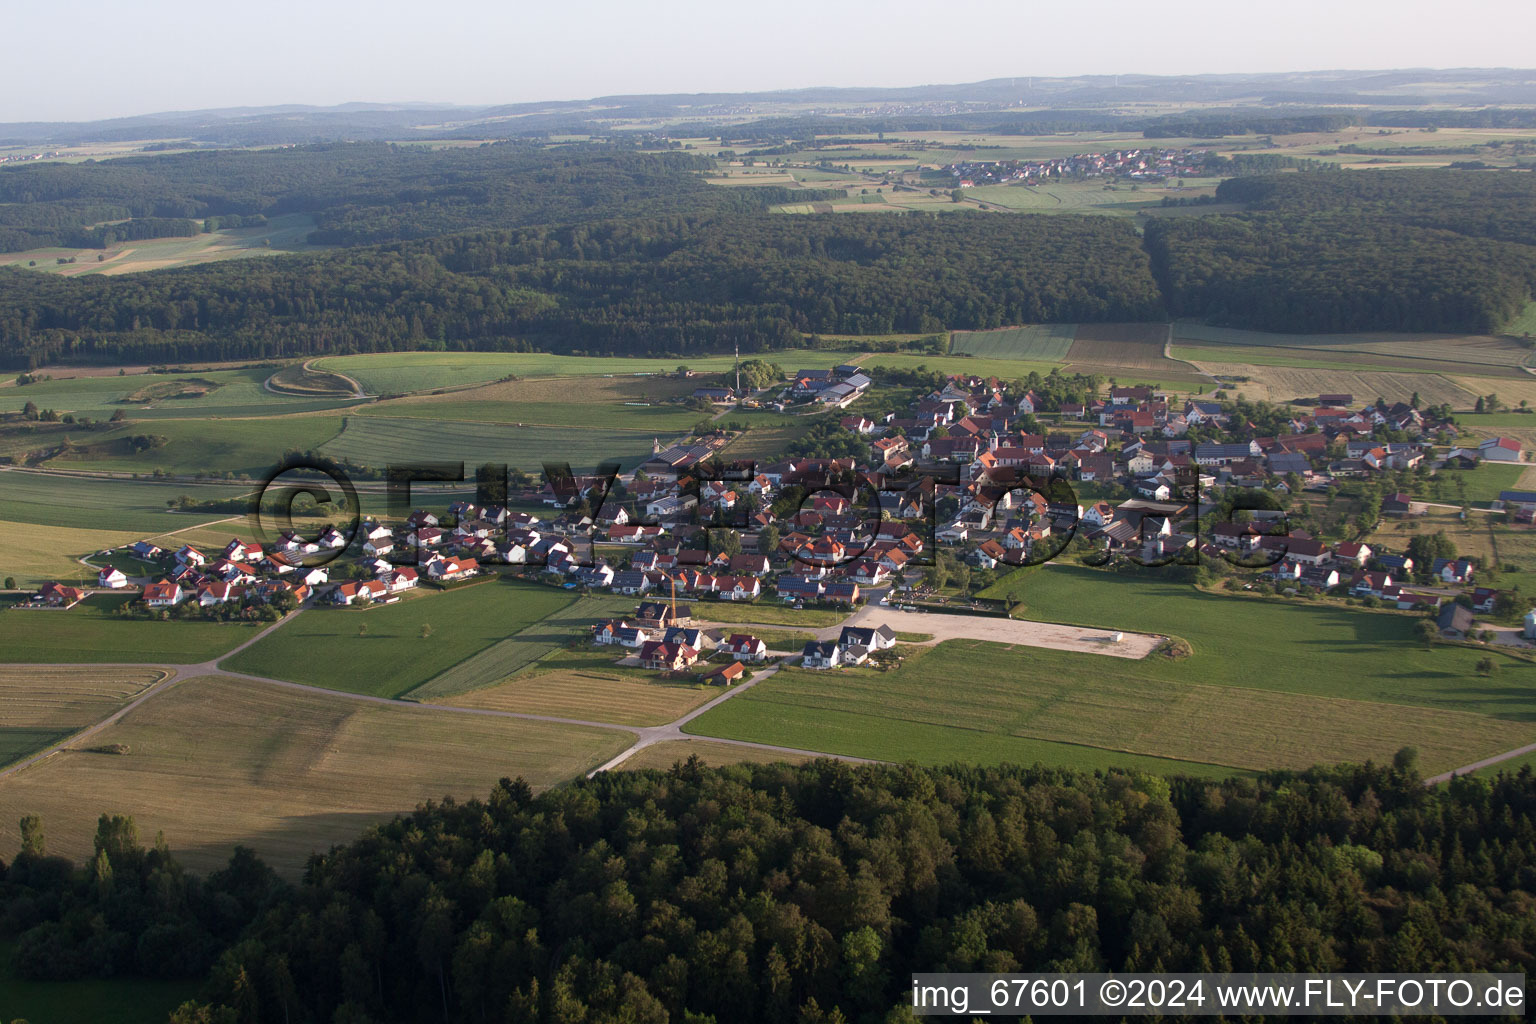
point(111, 578)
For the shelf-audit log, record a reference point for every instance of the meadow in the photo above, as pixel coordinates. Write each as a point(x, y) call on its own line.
point(44, 705)
point(1040, 342)
point(588, 401)
point(380, 651)
point(379, 441)
point(215, 762)
point(1077, 197)
point(52, 499)
point(248, 447)
point(236, 391)
point(91, 632)
point(1241, 641)
point(769, 611)
point(585, 684)
point(1473, 536)
point(36, 554)
point(1283, 383)
point(1525, 323)
point(281, 234)
point(1002, 694)
point(530, 645)
point(662, 756)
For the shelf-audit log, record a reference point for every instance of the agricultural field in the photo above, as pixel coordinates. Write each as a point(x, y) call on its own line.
point(1007, 693)
point(91, 632)
point(282, 234)
point(303, 381)
point(44, 705)
point(244, 447)
point(380, 651)
point(36, 554)
point(1511, 391)
point(398, 373)
point(52, 499)
point(1481, 354)
point(1480, 485)
point(379, 441)
point(1122, 350)
point(662, 756)
point(585, 684)
point(1246, 642)
point(197, 393)
point(1473, 536)
point(215, 762)
point(767, 444)
point(624, 403)
point(1281, 384)
point(1039, 342)
point(531, 645)
point(1078, 197)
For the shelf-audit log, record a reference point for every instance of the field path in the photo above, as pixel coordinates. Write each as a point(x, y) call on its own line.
point(1486, 762)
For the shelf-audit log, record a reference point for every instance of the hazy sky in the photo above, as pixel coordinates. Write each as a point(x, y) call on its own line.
point(87, 59)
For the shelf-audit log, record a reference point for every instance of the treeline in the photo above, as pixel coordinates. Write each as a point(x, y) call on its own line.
point(669, 285)
point(1215, 125)
point(810, 894)
point(365, 193)
point(1432, 250)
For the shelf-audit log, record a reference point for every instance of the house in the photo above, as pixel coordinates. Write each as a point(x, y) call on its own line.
point(878, 638)
point(666, 657)
point(746, 647)
point(1402, 565)
point(210, 594)
point(1454, 620)
point(1483, 599)
point(727, 676)
point(401, 579)
point(189, 555)
point(1500, 449)
point(111, 579)
point(1323, 578)
point(843, 593)
point(632, 581)
point(1369, 584)
point(163, 594)
point(236, 551)
point(145, 550)
point(1457, 570)
point(332, 538)
point(799, 588)
point(660, 614)
point(739, 588)
point(446, 570)
point(1352, 552)
point(346, 594)
point(58, 595)
point(821, 654)
point(1399, 504)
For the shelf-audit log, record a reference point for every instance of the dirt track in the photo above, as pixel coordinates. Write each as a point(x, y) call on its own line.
point(1009, 631)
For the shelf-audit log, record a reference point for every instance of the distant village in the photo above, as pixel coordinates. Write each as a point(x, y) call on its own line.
point(855, 531)
point(1135, 164)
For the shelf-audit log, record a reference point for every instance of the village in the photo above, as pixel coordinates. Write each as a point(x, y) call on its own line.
point(971, 474)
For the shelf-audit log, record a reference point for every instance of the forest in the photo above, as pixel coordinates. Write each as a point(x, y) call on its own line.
point(664, 285)
point(1409, 250)
point(365, 193)
point(773, 893)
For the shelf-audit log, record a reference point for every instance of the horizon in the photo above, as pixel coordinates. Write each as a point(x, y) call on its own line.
point(473, 56)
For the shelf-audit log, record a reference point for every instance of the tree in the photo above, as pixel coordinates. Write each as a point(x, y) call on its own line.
point(426, 630)
point(768, 540)
point(29, 411)
point(1426, 631)
point(1486, 667)
point(1425, 548)
point(10, 583)
point(33, 841)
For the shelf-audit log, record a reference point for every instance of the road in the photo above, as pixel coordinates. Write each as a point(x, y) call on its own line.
point(1486, 762)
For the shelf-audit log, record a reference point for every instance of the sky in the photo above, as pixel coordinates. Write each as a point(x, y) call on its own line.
point(89, 59)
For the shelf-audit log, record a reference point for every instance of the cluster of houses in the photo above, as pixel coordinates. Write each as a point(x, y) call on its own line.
point(1150, 164)
point(836, 388)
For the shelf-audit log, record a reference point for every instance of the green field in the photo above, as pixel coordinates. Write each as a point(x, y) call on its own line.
point(97, 1000)
point(1525, 323)
point(324, 646)
point(239, 392)
point(564, 623)
point(1039, 342)
point(1325, 651)
point(90, 632)
point(250, 447)
point(769, 611)
point(1075, 197)
point(1483, 484)
point(96, 504)
point(660, 418)
point(378, 441)
point(283, 233)
point(398, 373)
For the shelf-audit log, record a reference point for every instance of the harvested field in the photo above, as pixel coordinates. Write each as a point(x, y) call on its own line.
point(590, 688)
point(715, 754)
point(1470, 353)
point(636, 403)
point(44, 705)
point(1284, 383)
point(216, 762)
point(304, 381)
point(1121, 350)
